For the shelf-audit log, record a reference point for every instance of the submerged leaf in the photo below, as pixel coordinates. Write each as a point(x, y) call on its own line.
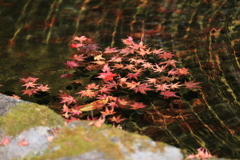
point(98, 104)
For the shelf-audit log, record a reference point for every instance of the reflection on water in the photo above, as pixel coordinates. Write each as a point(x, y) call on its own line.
point(204, 34)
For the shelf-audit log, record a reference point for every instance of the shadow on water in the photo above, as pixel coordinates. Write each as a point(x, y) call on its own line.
point(204, 35)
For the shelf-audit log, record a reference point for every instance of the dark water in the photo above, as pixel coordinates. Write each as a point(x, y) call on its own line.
point(204, 34)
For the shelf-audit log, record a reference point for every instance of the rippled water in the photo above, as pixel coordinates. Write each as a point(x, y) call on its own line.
point(204, 34)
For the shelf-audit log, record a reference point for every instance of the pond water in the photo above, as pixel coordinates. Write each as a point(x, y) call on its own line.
point(204, 35)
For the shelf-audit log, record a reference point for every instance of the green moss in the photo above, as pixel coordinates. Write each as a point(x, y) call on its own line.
point(72, 141)
point(27, 115)
point(79, 140)
point(84, 138)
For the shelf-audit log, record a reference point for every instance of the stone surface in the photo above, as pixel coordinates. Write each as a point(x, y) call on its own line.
point(77, 140)
point(49, 138)
point(7, 103)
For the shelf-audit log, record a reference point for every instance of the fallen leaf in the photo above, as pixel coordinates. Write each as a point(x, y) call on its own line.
point(98, 104)
point(23, 142)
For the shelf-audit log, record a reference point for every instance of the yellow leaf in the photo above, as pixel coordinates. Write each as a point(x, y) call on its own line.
point(98, 104)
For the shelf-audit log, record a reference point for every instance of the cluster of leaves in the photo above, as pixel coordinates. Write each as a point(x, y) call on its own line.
point(6, 140)
point(203, 153)
point(127, 78)
point(31, 87)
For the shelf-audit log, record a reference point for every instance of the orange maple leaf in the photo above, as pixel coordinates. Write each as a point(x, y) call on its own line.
point(182, 71)
point(88, 93)
point(137, 105)
point(23, 142)
point(5, 141)
point(29, 79)
point(175, 85)
point(29, 92)
point(117, 119)
point(30, 84)
point(43, 88)
point(107, 76)
point(79, 57)
point(108, 111)
point(162, 87)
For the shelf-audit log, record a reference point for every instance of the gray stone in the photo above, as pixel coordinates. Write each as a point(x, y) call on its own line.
point(85, 142)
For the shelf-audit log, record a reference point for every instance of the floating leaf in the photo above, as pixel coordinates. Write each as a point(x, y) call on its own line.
point(98, 104)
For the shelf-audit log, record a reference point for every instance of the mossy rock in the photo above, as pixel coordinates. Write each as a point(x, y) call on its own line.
point(26, 121)
point(26, 116)
point(78, 140)
point(46, 136)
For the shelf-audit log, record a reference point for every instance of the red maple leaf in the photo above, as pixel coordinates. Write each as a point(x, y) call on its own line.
point(106, 68)
point(133, 75)
point(80, 39)
point(67, 98)
point(29, 92)
point(127, 51)
point(91, 47)
point(5, 141)
point(107, 76)
point(169, 62)
point(137, 105)
point(65, 108)
point(162, 87)
point(110, 50)
point(105, 89)
point(166, 55)
point(71, 64)
point(192, 84)
point(76, 45)
point(112, 104)
point(142, 88)
point(30, 84)
point(173, 72)
point(67, 75)
point(29, 79)
point(112, 84)
point(88, 93)
point(137, 46)
point(79, 57)
point(168, 94)
point(128, 41)
point(75, 112)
